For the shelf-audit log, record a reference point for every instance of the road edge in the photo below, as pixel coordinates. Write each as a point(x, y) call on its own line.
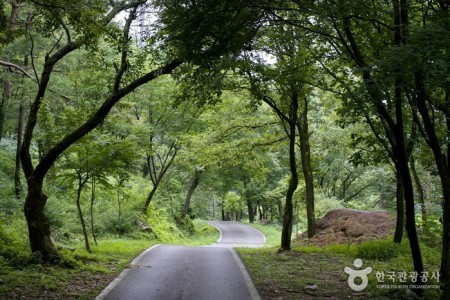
point(122, 275)
point(220, 231)
point(254, 293)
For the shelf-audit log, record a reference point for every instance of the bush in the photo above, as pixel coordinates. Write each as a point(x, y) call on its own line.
point(14, 239)
point(185, 223)
point(165, 231)
point(381, 250)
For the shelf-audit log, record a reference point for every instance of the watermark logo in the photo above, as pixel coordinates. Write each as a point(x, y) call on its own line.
point(354, 274)
point(390, 279)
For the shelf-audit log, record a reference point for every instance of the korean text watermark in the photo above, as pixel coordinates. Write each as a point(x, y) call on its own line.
point(358, 278)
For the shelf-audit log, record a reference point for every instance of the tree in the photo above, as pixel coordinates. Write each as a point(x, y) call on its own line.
point(194, 183)
point(287, 76)
point(168, 120)
point(339, 25)
point(38, 223)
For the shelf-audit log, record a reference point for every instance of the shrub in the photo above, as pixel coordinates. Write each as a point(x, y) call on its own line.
point(13, 239)
point(185, 223)
point(166, 231)
point(382, 250)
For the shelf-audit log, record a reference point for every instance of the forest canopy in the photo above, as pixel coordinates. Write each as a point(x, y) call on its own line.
point(116, 112)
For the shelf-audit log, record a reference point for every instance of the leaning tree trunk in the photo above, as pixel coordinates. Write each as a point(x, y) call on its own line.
point(149, 198)
point(81, 183)
point(38, 223)
point(192, 187)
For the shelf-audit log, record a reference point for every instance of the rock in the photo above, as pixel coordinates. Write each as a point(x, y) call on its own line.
point(143, 226)
point(311, 287)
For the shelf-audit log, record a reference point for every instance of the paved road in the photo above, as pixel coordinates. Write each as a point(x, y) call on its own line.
point(235, 234)
point(191, 273)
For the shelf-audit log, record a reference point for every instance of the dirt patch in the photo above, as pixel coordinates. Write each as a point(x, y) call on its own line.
point(345, 226)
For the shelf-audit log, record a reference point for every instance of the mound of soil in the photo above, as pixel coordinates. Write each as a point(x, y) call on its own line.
point(349, 226)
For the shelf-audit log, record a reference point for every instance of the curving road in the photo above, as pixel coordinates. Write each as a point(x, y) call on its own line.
point(183, 272)
point(235, 234)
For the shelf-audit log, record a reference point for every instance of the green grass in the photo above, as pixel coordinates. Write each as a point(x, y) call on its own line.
point(286, 275)
point(205, 234)
point(271, 231)
point(84, 275)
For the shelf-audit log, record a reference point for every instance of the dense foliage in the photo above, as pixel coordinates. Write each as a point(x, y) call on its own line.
point(132, 118)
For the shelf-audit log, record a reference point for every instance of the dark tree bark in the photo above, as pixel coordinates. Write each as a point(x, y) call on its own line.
point(38, 223)
point(119, 213)
point(420, 192)
point(93, 186)
point(6, 96)
point(4, 103)
point(251, 216)
point(400, 205)
point(286, 231)
point(194, 183)
point(81, 182)
point(250, 210)
point(305, 154)
point(157, 172)
point(17, 182)
point(442, 164)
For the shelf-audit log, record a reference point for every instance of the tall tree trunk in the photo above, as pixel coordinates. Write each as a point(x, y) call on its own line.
point(222, 210)
point(280, 210)
point(286, 231)
point(4, 103)
point(38, 222)
point(17, 183)
point(261, 215)
point(402, 163)
point(305, 154)
point(443, 167)
point(400, 205)
point(119, 215)
point(81, 183)
point(420, 193)
point(93, 186)
point(251, 216)
point(6, 96)
point(192, 187)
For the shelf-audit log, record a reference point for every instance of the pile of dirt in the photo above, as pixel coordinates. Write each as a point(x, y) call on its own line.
point(349, 226)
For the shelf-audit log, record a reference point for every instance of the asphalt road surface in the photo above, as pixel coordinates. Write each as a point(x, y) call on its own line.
point(191, 273)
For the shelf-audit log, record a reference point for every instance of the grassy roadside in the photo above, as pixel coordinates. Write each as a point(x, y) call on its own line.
point(272, 233)
point(309, 272)
point(84, 275)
